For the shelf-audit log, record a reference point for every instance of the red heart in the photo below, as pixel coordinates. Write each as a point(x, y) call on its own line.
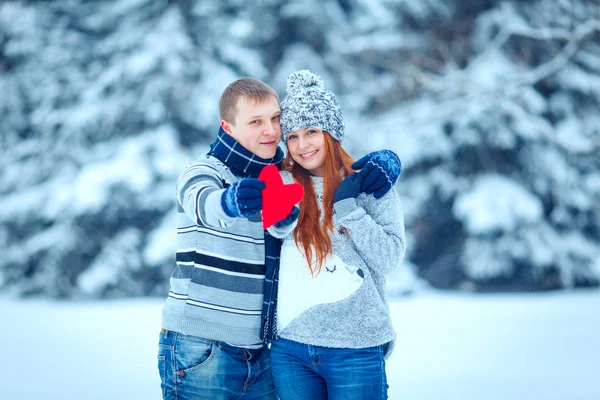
point(278, 198)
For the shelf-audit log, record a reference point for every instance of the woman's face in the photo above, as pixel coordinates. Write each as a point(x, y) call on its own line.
point(307, 148)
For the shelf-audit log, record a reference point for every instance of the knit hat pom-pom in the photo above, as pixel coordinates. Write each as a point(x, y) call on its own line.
point(303, 78)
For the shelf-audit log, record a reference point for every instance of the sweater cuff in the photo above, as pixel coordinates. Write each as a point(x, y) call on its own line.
point(214, 210)
point(281, 233)
point(345, 207)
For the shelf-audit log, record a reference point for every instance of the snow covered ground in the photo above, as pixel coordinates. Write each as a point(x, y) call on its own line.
point(451, 346)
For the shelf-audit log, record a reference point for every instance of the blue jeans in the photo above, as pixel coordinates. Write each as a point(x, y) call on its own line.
point(193, 368)
point(306, 372)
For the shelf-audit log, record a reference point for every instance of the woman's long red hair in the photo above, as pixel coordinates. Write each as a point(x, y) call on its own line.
point(310, 233)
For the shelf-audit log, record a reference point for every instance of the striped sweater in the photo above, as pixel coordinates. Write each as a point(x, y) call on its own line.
point(217, 285)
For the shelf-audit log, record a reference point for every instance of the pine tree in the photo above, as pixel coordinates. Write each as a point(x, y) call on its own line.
point(492, 107)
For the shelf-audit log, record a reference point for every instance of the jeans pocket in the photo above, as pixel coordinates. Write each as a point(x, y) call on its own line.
point(193, 353)
point(162, 370)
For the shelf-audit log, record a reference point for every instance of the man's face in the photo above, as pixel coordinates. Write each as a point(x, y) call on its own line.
point(256, 126)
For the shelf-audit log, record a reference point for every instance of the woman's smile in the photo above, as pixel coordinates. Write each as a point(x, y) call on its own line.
point(308, 155)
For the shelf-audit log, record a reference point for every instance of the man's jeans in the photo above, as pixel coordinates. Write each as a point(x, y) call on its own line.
point(193, 368)
point(306, 372)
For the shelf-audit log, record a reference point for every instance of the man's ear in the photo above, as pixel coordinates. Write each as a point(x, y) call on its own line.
point(226, 127)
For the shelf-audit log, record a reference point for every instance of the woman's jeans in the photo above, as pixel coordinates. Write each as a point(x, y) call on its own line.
point(195, 368)
point(306, 372)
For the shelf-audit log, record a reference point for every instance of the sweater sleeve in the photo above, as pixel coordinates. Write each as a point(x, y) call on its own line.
point(376, 228)
point(281, 233)
point(286, 177)
point(199, 190)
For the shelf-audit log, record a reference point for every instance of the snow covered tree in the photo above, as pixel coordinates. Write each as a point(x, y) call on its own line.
point(491, 105)
point(500, 144)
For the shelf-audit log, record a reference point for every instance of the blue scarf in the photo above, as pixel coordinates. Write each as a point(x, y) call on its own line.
point(269, 315)
point(244, 163)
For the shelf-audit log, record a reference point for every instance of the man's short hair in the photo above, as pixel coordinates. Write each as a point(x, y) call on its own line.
point(250, 87)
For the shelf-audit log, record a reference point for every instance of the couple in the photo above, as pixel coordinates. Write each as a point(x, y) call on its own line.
point(237, 288)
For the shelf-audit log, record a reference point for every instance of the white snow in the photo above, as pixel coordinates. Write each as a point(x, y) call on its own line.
point(451, 346)
point(118, 253)
point(496, 202)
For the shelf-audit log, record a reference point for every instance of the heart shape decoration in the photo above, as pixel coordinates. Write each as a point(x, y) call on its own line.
point(278, 198)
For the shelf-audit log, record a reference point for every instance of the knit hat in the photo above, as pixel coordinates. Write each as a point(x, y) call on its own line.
point(308, 104)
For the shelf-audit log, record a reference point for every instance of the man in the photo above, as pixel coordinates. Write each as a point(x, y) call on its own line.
point(211, 345)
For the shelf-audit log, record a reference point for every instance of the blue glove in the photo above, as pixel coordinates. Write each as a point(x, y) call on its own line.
point(292, 216)
point(243, 198)
point(383, 169)
point(350, 186)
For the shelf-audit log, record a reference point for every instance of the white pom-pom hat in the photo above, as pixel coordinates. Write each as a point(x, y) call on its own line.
point(309, 104)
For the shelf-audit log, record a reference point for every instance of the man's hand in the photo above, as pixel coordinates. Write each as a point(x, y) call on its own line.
point(243, 198)
point(383, 169)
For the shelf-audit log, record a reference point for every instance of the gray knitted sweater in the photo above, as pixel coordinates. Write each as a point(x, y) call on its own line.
point(345, 305)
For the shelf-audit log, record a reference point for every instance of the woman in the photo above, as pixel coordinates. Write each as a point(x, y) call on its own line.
point(334, 329)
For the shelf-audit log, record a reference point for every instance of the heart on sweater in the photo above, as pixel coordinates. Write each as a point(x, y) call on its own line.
point(278, 198)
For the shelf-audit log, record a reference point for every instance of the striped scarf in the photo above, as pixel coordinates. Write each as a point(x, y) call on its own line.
point(244, 163)
point(269, 316)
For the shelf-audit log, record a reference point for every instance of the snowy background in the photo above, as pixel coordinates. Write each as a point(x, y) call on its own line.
point(450, 346)
point(493, 107)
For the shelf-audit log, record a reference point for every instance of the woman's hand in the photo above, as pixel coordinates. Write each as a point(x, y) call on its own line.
point(350, 187)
